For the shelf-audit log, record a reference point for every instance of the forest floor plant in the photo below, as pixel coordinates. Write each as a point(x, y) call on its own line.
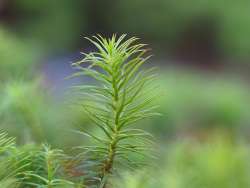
point(30, 166)
point(120, 97)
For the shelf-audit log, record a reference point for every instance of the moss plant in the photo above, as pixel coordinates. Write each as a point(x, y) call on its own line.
point(114, 103)
point(47, 167)
point(13, 162)
point(30, 166)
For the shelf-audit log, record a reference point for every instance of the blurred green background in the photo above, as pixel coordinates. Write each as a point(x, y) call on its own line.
point(202, 49)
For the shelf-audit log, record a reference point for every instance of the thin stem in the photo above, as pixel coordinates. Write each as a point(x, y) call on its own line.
point(108, 165)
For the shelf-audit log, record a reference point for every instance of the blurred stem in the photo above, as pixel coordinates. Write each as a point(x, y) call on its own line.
point(49, 169)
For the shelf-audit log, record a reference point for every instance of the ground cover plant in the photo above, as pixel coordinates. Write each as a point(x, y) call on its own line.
point(116, 102)
point(119, 97)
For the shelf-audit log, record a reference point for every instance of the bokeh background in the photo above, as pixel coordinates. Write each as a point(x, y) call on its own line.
point(202, 49)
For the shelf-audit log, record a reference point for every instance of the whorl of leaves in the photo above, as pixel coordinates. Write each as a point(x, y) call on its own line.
point(119, 98)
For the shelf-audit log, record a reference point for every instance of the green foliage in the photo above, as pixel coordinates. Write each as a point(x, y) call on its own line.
point(120, 98)
point(201, 102)
point(16, 57)
point(164, 21)
point(189, 164)
point(119, 95)
point(219, 164)
point(23, 99)
point(115, 103)
point(28, 111)
point(167, 21)
point(12, 163)
point(30, 166)
point(48, 169)
point(68, 16)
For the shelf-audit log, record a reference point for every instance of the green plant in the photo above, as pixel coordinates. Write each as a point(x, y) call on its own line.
point(13, 162)
point(114, 104)
point(30, 166)
point(47, 169)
